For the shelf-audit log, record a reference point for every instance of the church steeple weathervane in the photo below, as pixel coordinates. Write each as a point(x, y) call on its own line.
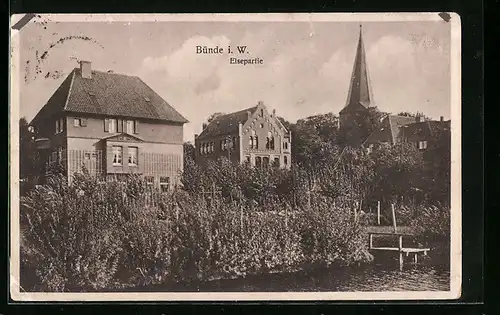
point(359, 88)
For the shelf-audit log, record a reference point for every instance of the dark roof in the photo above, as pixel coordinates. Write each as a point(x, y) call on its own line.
point(109, 94)
point(359, 87)
point(396, 122)
point(432, 128)
point(389, 129)
point(226, 124)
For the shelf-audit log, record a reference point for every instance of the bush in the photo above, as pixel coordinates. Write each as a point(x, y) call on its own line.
point(104, 236)
point(67, 238)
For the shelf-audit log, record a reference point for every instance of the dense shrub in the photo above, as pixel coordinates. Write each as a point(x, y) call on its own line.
point(86, 235)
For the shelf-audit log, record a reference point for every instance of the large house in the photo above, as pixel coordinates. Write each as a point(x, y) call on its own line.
point(431, 136)
point(113, 124)
point(252, 135)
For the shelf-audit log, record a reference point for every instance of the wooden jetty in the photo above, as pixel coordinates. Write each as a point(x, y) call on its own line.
point(400, 249)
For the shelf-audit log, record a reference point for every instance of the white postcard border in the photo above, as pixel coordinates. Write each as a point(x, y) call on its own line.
point(456, 177)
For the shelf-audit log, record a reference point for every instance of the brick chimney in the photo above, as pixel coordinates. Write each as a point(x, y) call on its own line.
point(86, 69)
point(204, 126)
point(418, 118)
point(441, 118)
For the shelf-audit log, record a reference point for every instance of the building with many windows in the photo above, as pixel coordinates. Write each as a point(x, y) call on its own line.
point(113, 125)
point(252, 135)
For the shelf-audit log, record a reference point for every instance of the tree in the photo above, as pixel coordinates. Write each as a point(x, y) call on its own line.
point(314, 139)
point(189, 151)
point(414, 115)
point(28, 154)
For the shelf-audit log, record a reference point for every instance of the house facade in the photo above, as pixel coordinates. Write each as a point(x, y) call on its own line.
point(253, 135)
point(113, 125)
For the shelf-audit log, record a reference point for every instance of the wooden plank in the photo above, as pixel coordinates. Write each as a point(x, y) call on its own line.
point(407, 230)
point(404, 250)
point(378, 212)
point(394, 218)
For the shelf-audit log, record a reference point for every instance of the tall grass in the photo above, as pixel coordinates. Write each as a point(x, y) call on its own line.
point(88, 236)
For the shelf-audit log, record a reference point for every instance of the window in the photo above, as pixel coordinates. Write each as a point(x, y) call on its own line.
point(285, 145)
point(77, 122)
point(132, 156)
point(60, 154)
point(60, 125)
point(261, 113)
point(117, 155)
point(261, 125)
point(164, 183)
point(276, 162)
point(130, 126)
point(285, 160)
point(248, 159)
point(86, 155)
point(422, 145)
point(258, 161)
point(265, 161)
point(149, 180)
point(211, 147)
point(112, 125)
point(250, 139)
point(270, 141)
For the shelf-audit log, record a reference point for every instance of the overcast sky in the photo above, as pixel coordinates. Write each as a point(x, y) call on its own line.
point(306, 70)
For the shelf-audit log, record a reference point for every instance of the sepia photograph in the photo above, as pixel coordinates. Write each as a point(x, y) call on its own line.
point(210, 157)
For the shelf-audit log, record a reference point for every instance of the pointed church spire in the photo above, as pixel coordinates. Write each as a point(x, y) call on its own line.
point(360, 89)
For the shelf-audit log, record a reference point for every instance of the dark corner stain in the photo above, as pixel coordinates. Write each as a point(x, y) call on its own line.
point(445, 16)
point(23, 21)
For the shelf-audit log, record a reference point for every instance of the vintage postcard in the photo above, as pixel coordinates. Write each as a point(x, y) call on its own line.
point(223, 157)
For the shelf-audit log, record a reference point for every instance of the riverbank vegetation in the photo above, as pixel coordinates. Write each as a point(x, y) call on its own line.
point(226, 220)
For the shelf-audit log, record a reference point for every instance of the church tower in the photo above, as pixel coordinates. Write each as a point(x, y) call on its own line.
point(354, 116)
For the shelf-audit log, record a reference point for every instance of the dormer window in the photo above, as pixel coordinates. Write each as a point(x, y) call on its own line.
point(130, 126)
point(110, 125)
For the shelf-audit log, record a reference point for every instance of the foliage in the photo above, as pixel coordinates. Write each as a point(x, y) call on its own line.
point(188, 152)
point(86, 235)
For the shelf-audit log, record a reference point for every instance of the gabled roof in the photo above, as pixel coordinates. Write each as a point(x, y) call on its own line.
point(389, 129)
point(396, 122)
point(108, 94)
point(226, 124)
point(360, 92)
point(429, 129)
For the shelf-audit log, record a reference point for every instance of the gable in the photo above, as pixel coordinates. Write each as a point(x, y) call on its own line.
point(123, 137)
point(272, 122)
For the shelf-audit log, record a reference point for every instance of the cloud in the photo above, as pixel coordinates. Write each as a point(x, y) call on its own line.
point(296, 79)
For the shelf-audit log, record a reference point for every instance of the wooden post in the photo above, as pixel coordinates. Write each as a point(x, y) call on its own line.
point(241, 217)
point(356, 211)
point(401, 252)
point(286, 216)
point(378, 212)
point(393, 218)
